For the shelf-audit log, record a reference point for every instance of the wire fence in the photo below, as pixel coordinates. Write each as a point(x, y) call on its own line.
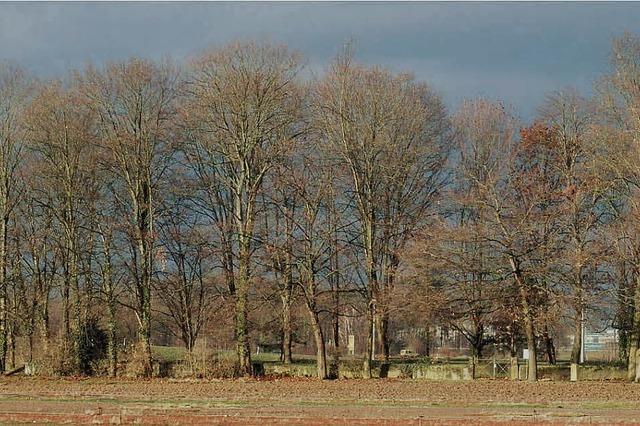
point(491, 368)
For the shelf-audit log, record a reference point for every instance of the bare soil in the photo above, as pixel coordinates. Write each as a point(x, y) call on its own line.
point(314, 402)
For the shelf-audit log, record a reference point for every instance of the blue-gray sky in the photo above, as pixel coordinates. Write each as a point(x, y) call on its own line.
point(514, 52)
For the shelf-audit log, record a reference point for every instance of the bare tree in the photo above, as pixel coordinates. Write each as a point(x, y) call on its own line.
point(281, 208)
point(13, 99)
point(515, 199)
point(186, 285)
point(312, 242)
point(618, 130)
point(388, 133)
point(574, 159)
point(134, 106)
point(59, 133)
point(242, 111)
point(455, 261)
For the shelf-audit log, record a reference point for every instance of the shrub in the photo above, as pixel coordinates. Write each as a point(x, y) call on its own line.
point(92, 346)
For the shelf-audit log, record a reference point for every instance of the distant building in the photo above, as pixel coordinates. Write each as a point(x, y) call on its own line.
point(601, 341)
point(599, 345)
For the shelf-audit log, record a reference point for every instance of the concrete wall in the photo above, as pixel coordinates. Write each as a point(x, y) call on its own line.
point(353, 370)
point(601, 372)
point(443, 372)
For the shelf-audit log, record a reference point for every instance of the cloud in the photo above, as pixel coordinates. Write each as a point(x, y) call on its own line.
point(511, 51)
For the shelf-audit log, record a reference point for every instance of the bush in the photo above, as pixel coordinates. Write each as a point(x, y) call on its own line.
point(221, 368)
point(137, 361)
point(82, 355)
point(92, 346)
point(58, 359)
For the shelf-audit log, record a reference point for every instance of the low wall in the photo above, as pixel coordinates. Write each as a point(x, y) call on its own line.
point(353, 370)
point(453, 371)
point(443, 372)
point(562, 372)
point(294, 370)
point(601, 372)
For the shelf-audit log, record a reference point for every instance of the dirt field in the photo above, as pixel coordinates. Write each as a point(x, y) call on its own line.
point(306, 401)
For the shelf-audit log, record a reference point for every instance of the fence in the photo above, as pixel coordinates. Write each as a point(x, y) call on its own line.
point(490, 368)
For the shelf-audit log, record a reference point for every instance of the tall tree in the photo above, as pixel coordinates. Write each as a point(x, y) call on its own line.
point(619, 130)
point(312, 241)
point(241, 113)
point(134, 106)
point(281, 208)
point(13, 99)
point(389, 134)
point(59, 133)
point(516, 201)
point(574, 159)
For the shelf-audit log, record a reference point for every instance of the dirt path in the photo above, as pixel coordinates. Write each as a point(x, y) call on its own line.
point(304, 401)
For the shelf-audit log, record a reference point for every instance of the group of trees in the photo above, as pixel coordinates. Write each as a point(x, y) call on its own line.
point(181, 192)
point(538, 217)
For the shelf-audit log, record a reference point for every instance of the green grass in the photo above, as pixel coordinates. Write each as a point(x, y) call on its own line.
point(169, 353)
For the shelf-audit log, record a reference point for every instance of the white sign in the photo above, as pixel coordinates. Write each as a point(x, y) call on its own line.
point(525, 354)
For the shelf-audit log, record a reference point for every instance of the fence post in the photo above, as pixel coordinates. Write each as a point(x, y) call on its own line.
point(514, 368)
point(574, 372)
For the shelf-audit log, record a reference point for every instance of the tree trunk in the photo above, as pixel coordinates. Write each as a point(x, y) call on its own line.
point(550, 348)
point(576, 348)
point(3, 327)
point(12, 347)
point(427, 343)
point(241, 331)
point(513, 351)
point(79, 352)
point(144, 307)
point(66, 313)
point(44, 317)
point(478, 347)
point(528, 320)
point(144, 337)
point(286, 296)
point(366, 366)
point(632, 364)
point(336, 330)
point(243, 217)
point(227, 266)
point(633, 367)
point(532, 363)
point(144, 219)
point(112, 349)
point(578, 325)
point(383, 333)
point(3, 294)
point(336, 292)
point(321, 352)
point(286, 330)
point(30, 336)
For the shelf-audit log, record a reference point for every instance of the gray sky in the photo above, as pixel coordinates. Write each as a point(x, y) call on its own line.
point(514, 52)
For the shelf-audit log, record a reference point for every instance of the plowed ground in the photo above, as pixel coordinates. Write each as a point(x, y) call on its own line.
point(307, 401)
